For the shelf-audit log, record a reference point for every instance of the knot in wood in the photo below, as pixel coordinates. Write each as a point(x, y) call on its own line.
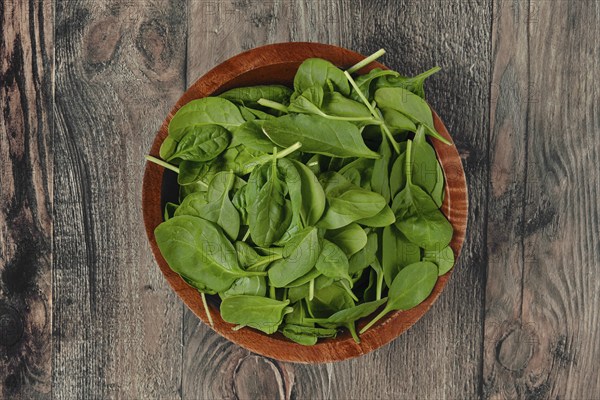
point(11, 326)
point(514, 350)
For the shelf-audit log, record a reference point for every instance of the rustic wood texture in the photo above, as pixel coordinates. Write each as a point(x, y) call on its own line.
point(518, 92)
point(26, 77)
point(541, 321)
point(117, 325)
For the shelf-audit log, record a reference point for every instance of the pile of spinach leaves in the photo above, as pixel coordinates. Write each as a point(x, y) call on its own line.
point(307, 209)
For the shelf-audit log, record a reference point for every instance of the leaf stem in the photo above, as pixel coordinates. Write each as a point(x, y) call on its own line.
point(206, 309)
point(267, 260)
point(374, 112)
point(311, 290)
point(379, 285)
point(162, 163)
point(272, 293)
point(263, 159)
point(408, 161)
point(366, 61)
point(273, 104)
point(352, 328)
point(374, 320)
point(349, 291)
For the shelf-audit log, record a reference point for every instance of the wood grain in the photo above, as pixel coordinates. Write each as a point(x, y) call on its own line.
point(26, 70)
point(120, 67)
point(226, 29)
point(542, 298)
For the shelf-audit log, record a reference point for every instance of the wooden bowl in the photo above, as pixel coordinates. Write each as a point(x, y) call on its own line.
point(273, 64)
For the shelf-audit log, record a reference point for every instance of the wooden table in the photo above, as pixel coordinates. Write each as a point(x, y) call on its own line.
point(85, 312)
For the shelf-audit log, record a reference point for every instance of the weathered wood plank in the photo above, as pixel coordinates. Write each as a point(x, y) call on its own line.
point(117, 323)
point(543, 341)
point(26, 99)
point(450, 334)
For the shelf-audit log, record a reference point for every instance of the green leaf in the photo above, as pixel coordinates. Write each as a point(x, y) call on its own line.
point(351, 238)
point(269, 215)
point(299, 256)
point(397, 122)
point(355, 313)
point(365, 83)
point(248, 285)
point(205, 111)
point(257, 312)
point(318, 72)
point(366, 256)
point(251, 135)
point(314, 201)
point(443, 258)
point(202, 143)
point(397, 252)
point(336, 104)
point(410, 105)
point(198, 250)
point(249, 95)
point(307, 335)
point(333, 263)
point(414, 84)
point(318, 135)
point(329, 300)
point(167, 148)
point(424, 163)
point(192, 205)
point(380, 180)
point(170, 209)
point(191, 172)
point(383, 218)
point(413, 284)
point(349, 203)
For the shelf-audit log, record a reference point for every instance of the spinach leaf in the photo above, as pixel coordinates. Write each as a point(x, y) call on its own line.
point(443, 258)
point(333, 263)
point(397, 122)
point(365, 83)
point(318, 72)
point(251, 135)
point(205, 111)
point(269, 215)
point(410, 105)
point(413, 284)
point(414, 84)
point(168, 147)
point(353, 313)
point(329, 300)
point(348, 203)
point(257, 312)
point(248, 285)
point(336, 104)
point(300, 254)
point(351, 238)
point(307, 335)
point(191, 172)
point(192, 205)
point(249, 95)
point(397, 252)
point(437, 194)
point(380, 180)
point(170, 209)
point(383, 218)
point(313, 205)
point(202, 143)
point(198, 250)
point(418, 217)
point(318, 135)
point(366, 256)
point(424, 162)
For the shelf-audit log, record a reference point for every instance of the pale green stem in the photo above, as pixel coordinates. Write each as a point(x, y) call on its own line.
point(272, 293)
point(246, 235)
point(162, 163)
point(366, 61)
point(267, 260)
point(379, 285)
point(238, 327)
point(374, 320)
point(349, 291)
point(268, 157)
point(311, 290)
point(206, 309)
point(273, 104)
point(374, 112)
point(352, 328)
point(408, 160)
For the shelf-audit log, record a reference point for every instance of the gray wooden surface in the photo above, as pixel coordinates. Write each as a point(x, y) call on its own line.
point(85, 312)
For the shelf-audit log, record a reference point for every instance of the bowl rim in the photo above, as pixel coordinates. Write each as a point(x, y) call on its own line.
point(455, 208)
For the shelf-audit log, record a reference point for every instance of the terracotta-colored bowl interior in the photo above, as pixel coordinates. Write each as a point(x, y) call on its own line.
point(270, 65)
